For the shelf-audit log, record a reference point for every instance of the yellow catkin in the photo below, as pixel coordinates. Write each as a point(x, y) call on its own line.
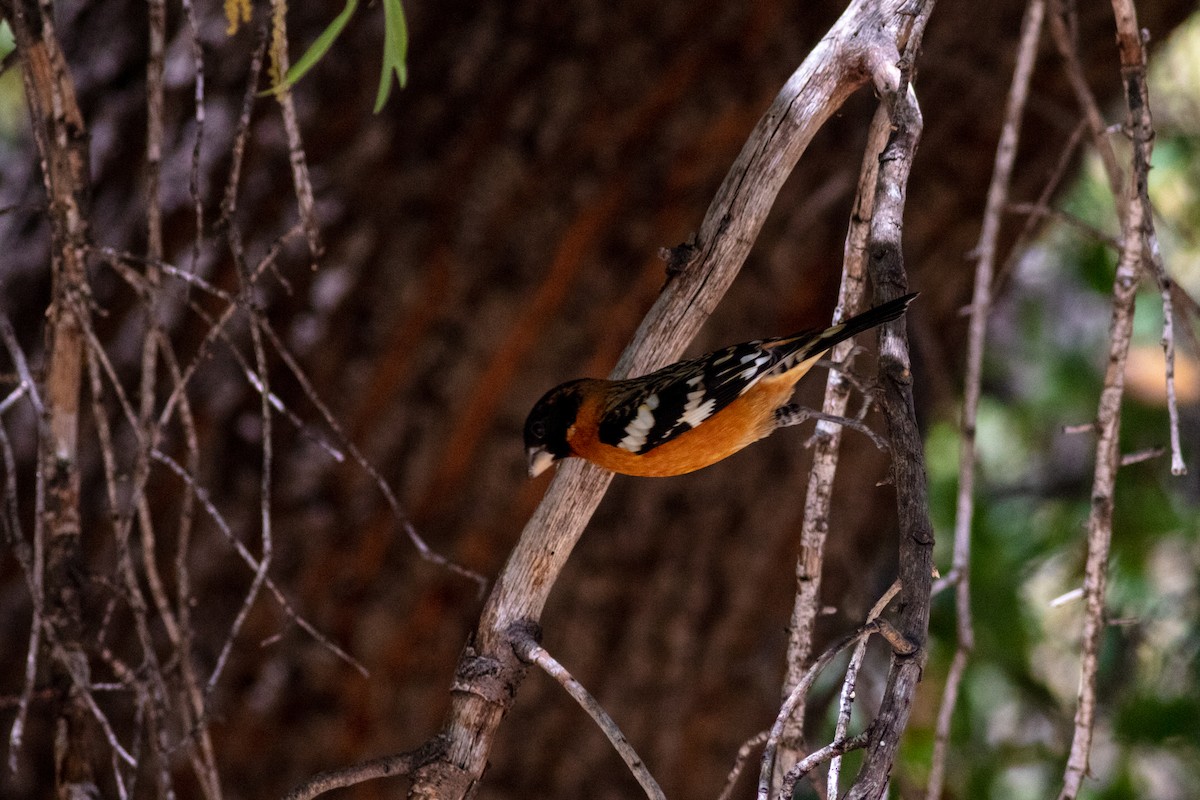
point(278, 41)
point(236, 12)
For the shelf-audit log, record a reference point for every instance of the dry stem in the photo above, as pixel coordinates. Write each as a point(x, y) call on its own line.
point(1135, 219)
point(981, 304)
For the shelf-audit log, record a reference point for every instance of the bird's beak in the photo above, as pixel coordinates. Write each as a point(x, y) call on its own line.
point(539, 460)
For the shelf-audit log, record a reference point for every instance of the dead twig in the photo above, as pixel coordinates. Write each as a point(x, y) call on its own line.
point(834, 750)
point(385, 767)
point(767, 770)
point(981, 305)
point(850, 689)
point(863, 45)
point(886, 268)
point(796, 414)
point(1135, 219)
point(740, 761)
point(528, 648)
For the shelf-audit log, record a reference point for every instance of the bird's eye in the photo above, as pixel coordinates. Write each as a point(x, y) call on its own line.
point(538, 429)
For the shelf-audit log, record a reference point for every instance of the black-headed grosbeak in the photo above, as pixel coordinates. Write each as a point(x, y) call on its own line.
point(689, 414)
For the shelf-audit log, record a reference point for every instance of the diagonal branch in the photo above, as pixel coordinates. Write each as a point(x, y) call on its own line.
point(981, 305)
point(863, 45)
point(886, 267)
point(818, 498)
point(1135, 222)
point(530, 650)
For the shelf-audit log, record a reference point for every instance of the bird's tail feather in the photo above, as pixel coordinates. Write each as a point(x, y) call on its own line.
point(806, 344)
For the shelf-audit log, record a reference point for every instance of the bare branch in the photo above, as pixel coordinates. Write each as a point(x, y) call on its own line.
point(291, 124)
point(886, 267)
point(797, 414)
point(833, 750)
point(386, 767)
point(867, 38)
point(530, 650)
point(1135, 222)
point(223, 526)
point(849, 690)
point(981, 305)
point(789, 705)
point(62, 142)
point(739, 762)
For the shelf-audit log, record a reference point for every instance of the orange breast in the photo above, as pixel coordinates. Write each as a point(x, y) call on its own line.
point(744, 421)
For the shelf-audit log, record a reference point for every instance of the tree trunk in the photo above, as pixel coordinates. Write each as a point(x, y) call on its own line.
point(493, 232)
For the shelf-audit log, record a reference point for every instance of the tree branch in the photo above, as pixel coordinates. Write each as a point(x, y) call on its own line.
point(886, 268)
point(62, 143)
point(1135, 219)
point(864, 44)
point(981, 306)
point(530, 650)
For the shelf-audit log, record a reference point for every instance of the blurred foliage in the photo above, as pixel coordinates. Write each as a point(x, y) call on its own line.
point(13, 116)
point(1047, 342)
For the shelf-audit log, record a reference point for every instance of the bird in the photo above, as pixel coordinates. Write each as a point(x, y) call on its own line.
point(687, 415)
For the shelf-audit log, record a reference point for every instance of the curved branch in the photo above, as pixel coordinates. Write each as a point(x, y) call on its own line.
point(863, 45)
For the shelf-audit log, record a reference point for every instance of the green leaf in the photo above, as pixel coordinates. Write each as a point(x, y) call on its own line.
point(395, 51)
point(7, 43)
point(318, 48)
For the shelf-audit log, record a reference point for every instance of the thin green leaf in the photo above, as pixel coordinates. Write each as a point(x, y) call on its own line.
point(318, 48)
point(395, 51)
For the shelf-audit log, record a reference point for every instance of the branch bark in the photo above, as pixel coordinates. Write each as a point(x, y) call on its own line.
point(886, 268)
point(864, 44)
point(981, 305)
point(1136, 220)
point(62, 143)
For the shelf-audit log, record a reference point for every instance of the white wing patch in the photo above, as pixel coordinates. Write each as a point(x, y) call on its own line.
point(695, 411)
point(639, 427)
point(749, 372)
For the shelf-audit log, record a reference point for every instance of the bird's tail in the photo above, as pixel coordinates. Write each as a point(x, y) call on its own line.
point(805, 345)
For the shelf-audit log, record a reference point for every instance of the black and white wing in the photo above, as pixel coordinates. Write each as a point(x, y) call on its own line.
point(651, 410)
point(646, 412)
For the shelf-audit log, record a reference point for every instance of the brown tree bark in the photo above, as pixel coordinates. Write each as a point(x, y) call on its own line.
point(493, 232)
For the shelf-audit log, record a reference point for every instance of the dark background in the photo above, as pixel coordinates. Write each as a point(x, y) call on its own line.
point(494, 232)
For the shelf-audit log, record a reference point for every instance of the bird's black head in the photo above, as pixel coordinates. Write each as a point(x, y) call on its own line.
point(547, 425)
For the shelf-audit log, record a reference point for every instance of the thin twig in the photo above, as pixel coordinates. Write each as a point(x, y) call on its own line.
point(740, 761)
point(1134, 221)
point(215, 515)
point(291, 124)
point(385, 767)
point(14, 397)
point(261, 380)
point(31, 559)
point(849, 690)
point(423, 549)
point(32, 573)
point(211, 784)
point(9, 335)
point(981, 305)
point(1158, 268)
point(1039, 211)
point(789, 705)
point(531, 651)
point(1138, 456)
point(1063, 29)
point(827, 448)
point(151, 682)
point(834, 750)
point(798, 414)
point(1062, 168)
